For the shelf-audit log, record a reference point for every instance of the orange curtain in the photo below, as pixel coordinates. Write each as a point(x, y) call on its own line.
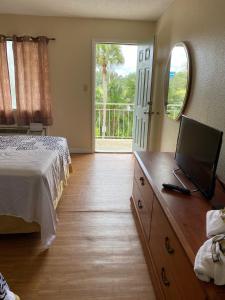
point(32, 80)
point(6, 112)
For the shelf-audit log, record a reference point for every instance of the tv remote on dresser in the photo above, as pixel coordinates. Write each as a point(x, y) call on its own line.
point(174, 187)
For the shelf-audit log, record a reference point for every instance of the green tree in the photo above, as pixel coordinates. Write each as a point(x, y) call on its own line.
point(106, 55)
point(176, 93)
point(98, 87)
point(129, 83)
point(115, 88)
point(121, 89)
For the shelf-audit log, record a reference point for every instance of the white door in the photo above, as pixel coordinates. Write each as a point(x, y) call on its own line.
point(143, 105)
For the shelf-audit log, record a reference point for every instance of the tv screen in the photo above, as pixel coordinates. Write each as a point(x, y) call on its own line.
point(197, 153)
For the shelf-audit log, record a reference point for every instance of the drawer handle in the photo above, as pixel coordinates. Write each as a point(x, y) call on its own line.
point(164, 278)
point(169, 249)
point(140, 204)
point(142, 180)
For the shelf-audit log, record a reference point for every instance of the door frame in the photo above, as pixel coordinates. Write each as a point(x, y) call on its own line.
point(153, 108)
point(93, 78)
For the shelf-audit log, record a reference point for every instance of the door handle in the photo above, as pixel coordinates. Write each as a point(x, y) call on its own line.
point(149, 113)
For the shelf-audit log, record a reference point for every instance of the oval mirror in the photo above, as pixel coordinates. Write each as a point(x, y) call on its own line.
point(177, 81)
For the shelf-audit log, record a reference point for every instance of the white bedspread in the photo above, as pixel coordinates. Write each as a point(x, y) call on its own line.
point(31, 168)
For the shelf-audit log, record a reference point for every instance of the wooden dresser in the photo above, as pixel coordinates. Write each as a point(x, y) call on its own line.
point(172, 229)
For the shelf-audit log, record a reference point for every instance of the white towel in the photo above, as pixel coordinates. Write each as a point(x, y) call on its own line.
point(205, 267)
point(215, 223)
point(5, 293)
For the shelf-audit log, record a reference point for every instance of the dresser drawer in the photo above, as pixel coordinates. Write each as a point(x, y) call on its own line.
point(144, 186)
point(166, 279)
point(140, 178)
point(143, 209)
point(168, 253)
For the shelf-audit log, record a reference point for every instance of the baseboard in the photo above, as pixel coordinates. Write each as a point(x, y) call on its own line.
point(80, 150)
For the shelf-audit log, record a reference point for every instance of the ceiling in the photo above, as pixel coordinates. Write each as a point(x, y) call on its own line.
point(110, 9)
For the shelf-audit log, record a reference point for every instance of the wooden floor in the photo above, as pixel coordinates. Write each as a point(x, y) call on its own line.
point(97, 254)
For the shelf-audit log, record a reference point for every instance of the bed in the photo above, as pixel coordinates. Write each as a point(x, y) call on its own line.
point(33, 171)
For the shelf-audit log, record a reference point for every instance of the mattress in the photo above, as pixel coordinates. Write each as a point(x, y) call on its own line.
point(14, 225)
point(33, 170)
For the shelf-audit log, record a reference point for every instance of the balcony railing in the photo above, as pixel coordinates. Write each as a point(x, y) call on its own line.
point(173, 109)
point(118, 120)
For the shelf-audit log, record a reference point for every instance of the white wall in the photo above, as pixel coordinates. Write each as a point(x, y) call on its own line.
point(70, 64)
point(201, 24)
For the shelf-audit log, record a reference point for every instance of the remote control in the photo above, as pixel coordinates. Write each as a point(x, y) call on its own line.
point(174, 187)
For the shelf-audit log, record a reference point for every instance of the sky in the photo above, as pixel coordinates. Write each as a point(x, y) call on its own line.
point(130, 56)
point(11, 73)
point(178, 59)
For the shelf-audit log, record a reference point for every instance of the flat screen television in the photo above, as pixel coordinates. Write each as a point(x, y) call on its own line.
point(197, 153)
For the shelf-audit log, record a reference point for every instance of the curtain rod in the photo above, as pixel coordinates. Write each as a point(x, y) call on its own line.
point(12, 37)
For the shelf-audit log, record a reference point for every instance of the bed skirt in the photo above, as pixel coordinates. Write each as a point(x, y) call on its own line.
point(13, 225)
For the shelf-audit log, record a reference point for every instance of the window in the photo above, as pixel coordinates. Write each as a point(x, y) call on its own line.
point(10, 58)
point(27, 80)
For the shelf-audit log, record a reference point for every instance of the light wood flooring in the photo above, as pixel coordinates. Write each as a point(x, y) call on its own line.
point(113, 145)
point(97, 253)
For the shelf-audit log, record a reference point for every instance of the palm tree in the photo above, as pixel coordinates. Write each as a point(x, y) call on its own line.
point(107, 55)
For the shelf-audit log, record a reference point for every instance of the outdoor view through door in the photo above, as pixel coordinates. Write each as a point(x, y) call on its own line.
point(114, 96)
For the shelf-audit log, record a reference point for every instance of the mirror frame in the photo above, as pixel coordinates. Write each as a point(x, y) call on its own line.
point(189, 79)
